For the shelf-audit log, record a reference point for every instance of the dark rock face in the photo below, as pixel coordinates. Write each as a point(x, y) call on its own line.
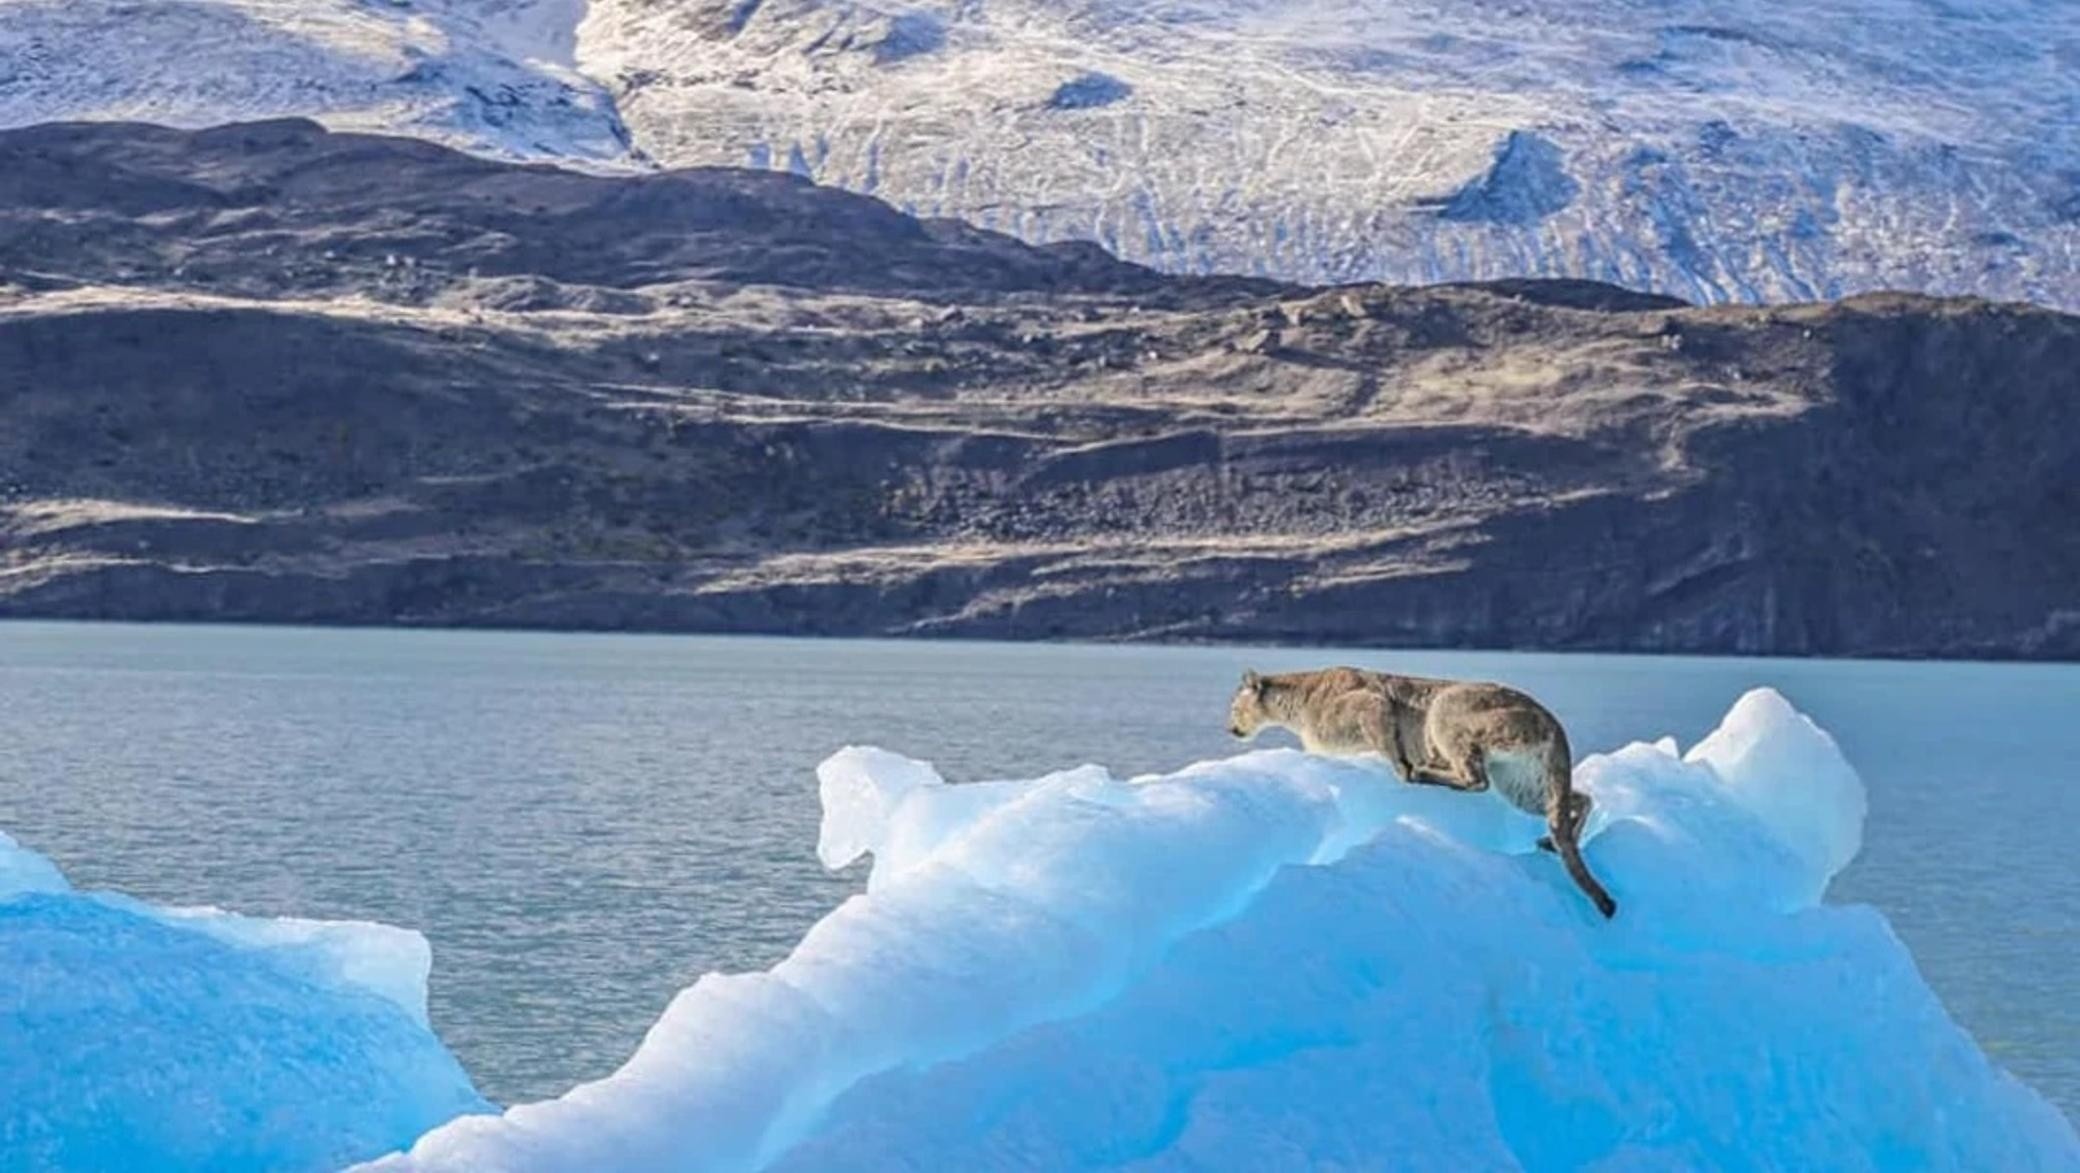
point(1527, 182)
point(273, 209)
point(269, 373)
point(1089, 90)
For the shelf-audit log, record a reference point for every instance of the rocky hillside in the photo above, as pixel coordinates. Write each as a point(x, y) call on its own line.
point(266, 372)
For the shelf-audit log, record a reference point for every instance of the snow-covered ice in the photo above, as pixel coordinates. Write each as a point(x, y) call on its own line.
point(1714, 149)
point(1280, 961)
point(136, 1037)
point(490, 76)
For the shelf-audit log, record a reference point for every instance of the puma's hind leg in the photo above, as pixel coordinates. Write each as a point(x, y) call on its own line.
point(1467, 771)
point(1578, 805)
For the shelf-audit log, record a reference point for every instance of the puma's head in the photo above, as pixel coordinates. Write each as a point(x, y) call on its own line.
point(1246, 712)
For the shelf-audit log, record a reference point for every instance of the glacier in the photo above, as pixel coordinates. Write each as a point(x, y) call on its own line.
point(1717, 151)
point(1714, 150)
point(495, 77)
point(140, 1037)
point(1281, 961)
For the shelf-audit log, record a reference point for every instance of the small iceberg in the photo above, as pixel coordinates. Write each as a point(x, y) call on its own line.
point(135, 1037)
point(1279, 961)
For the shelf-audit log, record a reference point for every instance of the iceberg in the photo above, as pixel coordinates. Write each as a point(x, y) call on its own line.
point(1280, 961)
point(137, 1037)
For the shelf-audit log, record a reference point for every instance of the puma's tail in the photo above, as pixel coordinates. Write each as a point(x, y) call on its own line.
point(1566, 811)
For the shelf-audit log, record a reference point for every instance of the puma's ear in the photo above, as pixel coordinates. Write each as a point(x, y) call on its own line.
point(1252, 681)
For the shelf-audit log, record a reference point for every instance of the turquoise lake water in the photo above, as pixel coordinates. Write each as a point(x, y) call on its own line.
point(583, 824)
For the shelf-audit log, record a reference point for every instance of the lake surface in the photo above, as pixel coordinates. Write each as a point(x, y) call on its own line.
point(583, 824)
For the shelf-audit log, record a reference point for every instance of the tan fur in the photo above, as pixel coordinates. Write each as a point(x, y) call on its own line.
point(1467, 735)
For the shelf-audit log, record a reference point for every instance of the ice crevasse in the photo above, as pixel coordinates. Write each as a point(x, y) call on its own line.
point(1279, 961)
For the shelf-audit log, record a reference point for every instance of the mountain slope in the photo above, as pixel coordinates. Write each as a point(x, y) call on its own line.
point(1742, 152)
point(270, 373)
point(492, 76)
point(1715, 151)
